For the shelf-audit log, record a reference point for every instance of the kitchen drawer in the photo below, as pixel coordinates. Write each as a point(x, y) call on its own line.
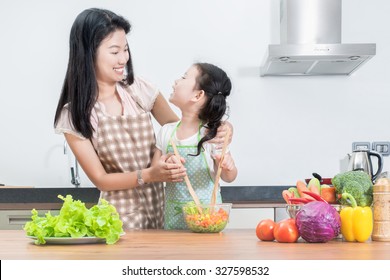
point(16, 219)
point(241, 218)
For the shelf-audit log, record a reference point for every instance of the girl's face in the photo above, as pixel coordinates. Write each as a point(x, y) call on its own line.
point(184, 88)
point(111, 57)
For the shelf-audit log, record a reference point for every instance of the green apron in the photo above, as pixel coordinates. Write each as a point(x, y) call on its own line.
point(177, 194)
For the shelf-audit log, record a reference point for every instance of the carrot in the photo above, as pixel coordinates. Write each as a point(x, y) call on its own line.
point(301, 187)
point(287, 195)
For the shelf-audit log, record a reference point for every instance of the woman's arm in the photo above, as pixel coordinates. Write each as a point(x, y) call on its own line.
point(93, 168)
point(162, 112)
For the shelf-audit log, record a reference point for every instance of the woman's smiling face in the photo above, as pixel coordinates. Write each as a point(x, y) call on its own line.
point(111, 57)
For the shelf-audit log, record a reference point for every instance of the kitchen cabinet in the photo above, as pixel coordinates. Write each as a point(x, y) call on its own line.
point(248, 215)
point(241, 218)
point(251, 204)
point(280, 213)
point(16, 203)
point(15, 219)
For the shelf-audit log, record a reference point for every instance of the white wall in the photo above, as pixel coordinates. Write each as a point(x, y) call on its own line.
point(285, 128)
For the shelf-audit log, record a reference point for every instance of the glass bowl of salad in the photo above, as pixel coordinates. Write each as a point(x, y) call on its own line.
point(206, 218)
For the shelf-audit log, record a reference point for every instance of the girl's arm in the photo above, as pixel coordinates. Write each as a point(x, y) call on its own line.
point(85, 154)
point(229, 170)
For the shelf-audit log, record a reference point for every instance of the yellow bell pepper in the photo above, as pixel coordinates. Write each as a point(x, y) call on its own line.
point(356, 221)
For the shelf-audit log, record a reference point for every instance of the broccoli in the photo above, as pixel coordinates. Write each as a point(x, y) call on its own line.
point(356, 183)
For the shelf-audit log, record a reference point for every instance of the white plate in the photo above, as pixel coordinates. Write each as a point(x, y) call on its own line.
point(71, 240)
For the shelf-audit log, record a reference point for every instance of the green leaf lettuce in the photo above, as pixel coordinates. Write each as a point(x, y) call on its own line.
point(76, 220)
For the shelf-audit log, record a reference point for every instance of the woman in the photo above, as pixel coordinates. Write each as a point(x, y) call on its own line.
point(104, 113)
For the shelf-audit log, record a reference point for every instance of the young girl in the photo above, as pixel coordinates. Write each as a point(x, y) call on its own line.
point(201, 96)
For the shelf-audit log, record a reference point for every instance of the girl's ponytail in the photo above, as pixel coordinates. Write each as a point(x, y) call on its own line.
point(217, 86)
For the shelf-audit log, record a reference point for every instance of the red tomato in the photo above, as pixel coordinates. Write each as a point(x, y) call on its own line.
point(286, 231)
point(265, 230)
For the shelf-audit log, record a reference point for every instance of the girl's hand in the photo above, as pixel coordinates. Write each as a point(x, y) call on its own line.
point(173, 159)
point(227, 163)
point(221, 132)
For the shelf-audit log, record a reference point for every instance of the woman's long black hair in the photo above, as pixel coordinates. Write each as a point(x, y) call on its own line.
point(80, 87)
point(217, 86)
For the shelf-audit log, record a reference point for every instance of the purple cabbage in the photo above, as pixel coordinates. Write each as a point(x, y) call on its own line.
point(318, 221)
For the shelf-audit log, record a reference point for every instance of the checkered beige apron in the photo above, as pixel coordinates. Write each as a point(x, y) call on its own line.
point(126, 144)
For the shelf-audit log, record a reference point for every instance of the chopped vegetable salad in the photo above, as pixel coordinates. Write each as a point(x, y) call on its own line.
point(210, 220)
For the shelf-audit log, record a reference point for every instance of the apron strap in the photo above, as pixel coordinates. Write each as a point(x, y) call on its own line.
point(199, 137)
point(137, 101)
point(174, 131)
point(98, 109)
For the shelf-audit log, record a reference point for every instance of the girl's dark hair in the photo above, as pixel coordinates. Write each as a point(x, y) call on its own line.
point(80, 87)
point(217, 86)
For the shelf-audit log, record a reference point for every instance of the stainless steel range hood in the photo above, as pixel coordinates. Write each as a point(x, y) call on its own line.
point(310, 36)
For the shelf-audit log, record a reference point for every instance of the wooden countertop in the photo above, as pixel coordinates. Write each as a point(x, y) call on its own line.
point(235, 244)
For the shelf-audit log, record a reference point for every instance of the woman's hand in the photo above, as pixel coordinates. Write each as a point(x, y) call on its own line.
point(167, 169)
point(221, 133)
